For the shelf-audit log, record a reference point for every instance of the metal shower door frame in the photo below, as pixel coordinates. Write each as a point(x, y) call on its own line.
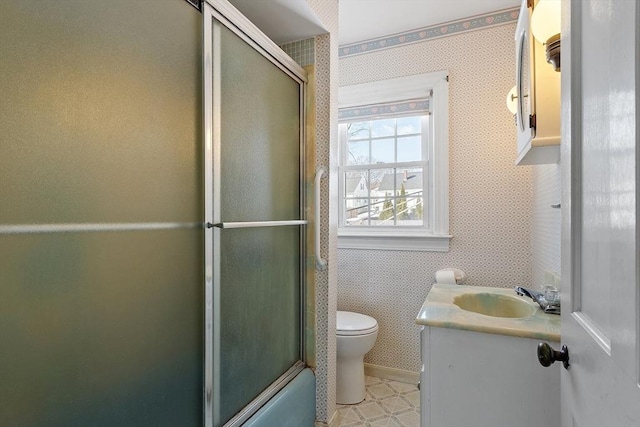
point(216, 13)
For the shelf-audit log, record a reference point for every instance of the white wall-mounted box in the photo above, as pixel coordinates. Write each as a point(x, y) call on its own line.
point(538, 97)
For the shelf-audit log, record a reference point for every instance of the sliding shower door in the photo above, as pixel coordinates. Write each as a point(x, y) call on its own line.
point(255, 218)
point(101, 213)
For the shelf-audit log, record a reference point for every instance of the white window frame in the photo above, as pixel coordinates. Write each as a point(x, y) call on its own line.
point(436, 238)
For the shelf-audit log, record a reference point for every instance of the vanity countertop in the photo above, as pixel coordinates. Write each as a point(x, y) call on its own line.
point(439, 310)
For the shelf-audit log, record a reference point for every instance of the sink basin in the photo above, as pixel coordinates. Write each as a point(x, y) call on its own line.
point(494, 305)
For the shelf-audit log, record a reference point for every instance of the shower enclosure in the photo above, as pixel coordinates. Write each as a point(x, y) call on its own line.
point(254, 214)
point(101, 213)
point(150, 275)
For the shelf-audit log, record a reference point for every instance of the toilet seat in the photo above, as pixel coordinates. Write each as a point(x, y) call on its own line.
point(350, 324)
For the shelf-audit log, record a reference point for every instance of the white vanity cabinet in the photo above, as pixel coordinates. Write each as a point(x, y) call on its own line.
point(538, 97)
point(483, 371)
point(485, 380)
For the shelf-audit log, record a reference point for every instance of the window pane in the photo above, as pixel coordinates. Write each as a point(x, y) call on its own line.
point(383, 128)
point(356, 203)
point(356, 184)
point(386, 216)
point(358, 153)
point(382, 151)
point(382, 192)
point(375, 176)
point(410, 194)
point(410, 209)
point(382, 182)
point(409, 179)
point(408, 125)
point(409, 149)
point(358, 130)
point(420, 208)
point(356, 211)
point(391, 196)
point(397, 197)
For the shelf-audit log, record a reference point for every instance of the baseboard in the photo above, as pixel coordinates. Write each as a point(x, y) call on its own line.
point(334, 422)
point(409, 377)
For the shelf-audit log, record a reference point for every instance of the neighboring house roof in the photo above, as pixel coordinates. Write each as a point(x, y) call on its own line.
point(413, 181)
point(351, 184)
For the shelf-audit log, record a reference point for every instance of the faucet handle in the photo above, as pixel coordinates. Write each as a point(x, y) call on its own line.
point(551, 295)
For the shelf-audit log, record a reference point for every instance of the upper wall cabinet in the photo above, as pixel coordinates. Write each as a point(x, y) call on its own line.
point(538, 95)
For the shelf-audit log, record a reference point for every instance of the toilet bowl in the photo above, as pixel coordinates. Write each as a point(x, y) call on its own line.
point(356, 335)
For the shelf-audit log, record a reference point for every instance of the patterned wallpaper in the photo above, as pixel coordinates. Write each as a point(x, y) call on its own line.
point(364, 275)
point(545, 232)
point(326, 77)
point(490, 198)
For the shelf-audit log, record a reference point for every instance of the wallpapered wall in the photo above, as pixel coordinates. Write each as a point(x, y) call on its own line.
point(491, 202)
point(326, 78)
point(504, 229)
point(545, 232)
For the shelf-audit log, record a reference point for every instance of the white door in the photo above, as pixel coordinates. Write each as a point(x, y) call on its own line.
point(600, 288)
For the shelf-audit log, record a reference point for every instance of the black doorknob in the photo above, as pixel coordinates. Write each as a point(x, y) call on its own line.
point(547, 355)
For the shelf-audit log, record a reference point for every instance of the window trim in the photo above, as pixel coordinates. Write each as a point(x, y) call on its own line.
point(436, 87)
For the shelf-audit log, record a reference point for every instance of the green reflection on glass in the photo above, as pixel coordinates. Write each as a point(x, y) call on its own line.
point(101, 329)
point(260, 311)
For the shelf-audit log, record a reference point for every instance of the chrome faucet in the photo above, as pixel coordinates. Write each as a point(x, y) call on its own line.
point(527, 292)
point(552, 308)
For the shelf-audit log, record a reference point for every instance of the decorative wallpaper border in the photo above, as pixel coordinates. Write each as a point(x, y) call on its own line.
point(429, 33)
point(368, 111)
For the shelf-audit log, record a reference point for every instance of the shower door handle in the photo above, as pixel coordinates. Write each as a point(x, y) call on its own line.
point(258, 224)
point(321, 264)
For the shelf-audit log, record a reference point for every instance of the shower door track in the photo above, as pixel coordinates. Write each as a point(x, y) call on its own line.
point(266, 395)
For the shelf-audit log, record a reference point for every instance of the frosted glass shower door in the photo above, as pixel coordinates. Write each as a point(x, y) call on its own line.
point(255, 223)
point(101, 213)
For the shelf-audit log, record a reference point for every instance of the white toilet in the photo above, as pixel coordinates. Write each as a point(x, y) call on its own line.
point(356, 335)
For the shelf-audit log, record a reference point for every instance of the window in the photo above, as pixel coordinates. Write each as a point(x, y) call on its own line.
point(394, 164)
point(385, 171)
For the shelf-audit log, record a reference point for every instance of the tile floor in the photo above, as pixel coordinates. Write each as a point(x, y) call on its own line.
point(387, 404)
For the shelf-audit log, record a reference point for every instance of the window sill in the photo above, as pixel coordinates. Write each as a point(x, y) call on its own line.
point(393, 241)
